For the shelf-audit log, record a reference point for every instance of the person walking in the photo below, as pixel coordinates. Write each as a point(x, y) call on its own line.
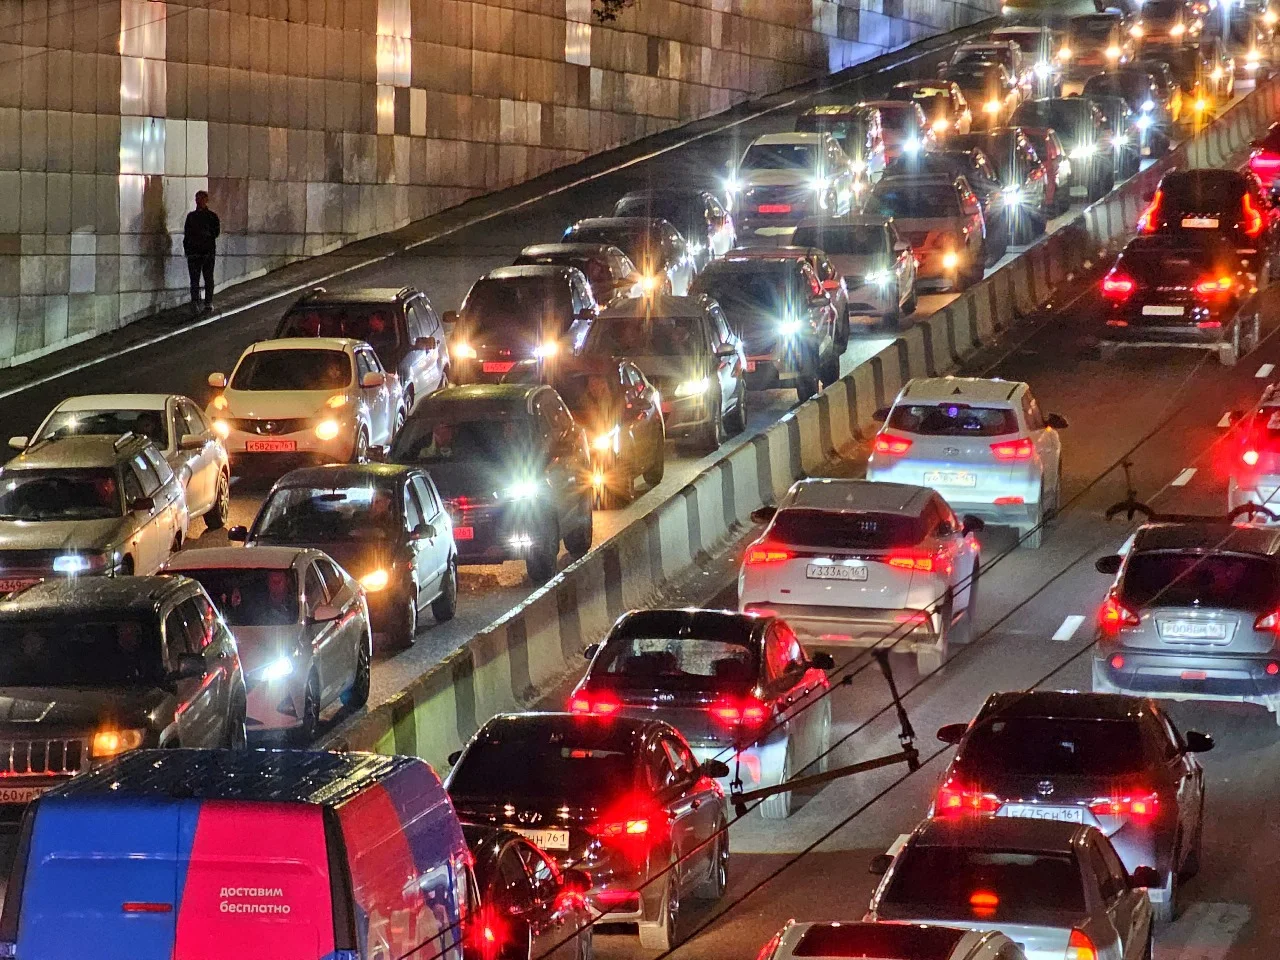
point(200, 244)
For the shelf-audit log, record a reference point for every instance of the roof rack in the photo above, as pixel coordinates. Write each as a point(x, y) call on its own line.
point(405, 291)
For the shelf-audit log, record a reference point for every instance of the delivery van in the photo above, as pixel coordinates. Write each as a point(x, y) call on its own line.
point(257, 855)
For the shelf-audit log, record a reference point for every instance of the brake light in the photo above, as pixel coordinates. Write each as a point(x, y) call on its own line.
point(594, 704)
point(910, 560)
point(955, 799)
point(1269, 622)
point(1117, 286)
point(1265, 160)
point(984, 900)
point(488, 933)
point(1147, 221)
point(764, 552)
point(1250, 457)
point(623, 828)
point(633, 826)
point(1142, 807)
point(1080, 947)
point(733, 711)
point(1013, 449)
point(892, 444)
point(1212, 286)
point(1113, 615)
point(1252, 225)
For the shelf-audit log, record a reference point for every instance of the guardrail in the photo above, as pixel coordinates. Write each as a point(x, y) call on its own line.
point(536, 646)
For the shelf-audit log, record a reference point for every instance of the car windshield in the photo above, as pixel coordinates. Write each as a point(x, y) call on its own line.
point(324, 515)
point(962, 883)
point(780, 156)
point(807, 527)
point(596, 270)
point(251, 597)
point(1163, 9)
point(1207, 581)
point(59, 495)
point(1054, 746)
point(837, 240)
point(754, 287)
point(952, 420)
point(1067, 118)
point(293, 370)
point(1208, 193)
point(528, 303)
point(375, 324)
point(850, 128)
point(461, 439)
point(80, 652)
point(675, 663)
point(655, 337)
point(915, 201)
point(898, 119)
point(1132, 87)
point(571, 766)
point(641, 245)
point(1094, 30)
point(676, 210)
point(152, 424)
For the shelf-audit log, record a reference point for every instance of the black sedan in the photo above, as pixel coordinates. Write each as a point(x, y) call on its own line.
point(653, 244)
point(1027, 194)
point(513, 469)
point(1146, 98)
point(530, 908)
point(702, 220)
point(1114, 762)
point(982, 176)
point(610, 272)
point(625, 800)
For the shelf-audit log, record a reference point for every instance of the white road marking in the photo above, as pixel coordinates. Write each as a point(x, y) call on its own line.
point(1225, 421)
point(1068, 628)
point(1265, 370)
point(1205, 931)
point(1182, 479)
point(898, 844)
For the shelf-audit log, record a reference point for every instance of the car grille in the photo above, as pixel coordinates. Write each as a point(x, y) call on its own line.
point(271, 428)
point(22, 758)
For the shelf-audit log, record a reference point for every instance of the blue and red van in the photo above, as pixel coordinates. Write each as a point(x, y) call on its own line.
point(258, 855)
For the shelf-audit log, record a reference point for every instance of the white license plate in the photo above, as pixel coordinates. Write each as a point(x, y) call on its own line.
point(20, 794)
point(1033, 811)
point(1193, 630)
point(1200, 223)
point(271, 446)
point(834, 571)
point(546, 839)
point(8, 586)
point(1162, 310)
point(950, 478)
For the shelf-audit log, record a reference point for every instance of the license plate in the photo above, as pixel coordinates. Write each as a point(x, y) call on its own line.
point(546, 839)
point(8, 586)
point(834, 571)
point(20, 794)
point(751, 366)
point(1033, 811)
point(464, 533)
point(1200, 223)
point(950, 478)
point(497, 366)
point(1193, 630)
point(774, 208)
point(271, 446)
point(1162, 310)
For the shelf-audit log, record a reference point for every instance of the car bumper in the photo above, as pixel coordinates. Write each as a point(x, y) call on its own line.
point(275, 704)
point(907, 631)
point(1222, 678)
point(1001, 499)
point(685, 416)
point(494, 535)
point(872, 301)
point(782, 368)
point(616, 892)
point(302, 446)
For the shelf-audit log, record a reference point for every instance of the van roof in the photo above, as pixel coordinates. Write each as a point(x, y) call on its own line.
point(269, 776)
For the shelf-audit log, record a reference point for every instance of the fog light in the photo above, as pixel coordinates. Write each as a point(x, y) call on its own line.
point(950, 260)
point(1117, 662)
point(222, 428)
point(110, 743)
point(1273, 668)
point(277, 669)
point(375, 580)
point(327, 429)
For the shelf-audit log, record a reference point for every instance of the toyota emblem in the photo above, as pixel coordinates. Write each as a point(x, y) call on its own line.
point(1044, 788)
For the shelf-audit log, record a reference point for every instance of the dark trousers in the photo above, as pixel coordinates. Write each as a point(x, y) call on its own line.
point(201, 265)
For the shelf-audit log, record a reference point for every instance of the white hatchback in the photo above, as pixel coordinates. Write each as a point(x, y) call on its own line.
point(309, 399)
point(851, 563)
point(982, 444)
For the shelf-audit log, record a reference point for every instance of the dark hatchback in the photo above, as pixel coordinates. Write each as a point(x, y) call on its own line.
point(530, 908)
point(622, 799)
point(1113, 762)
point(96, 667)
point(384, 524)
point(513, 469)
point(520, 316)
point(610, 272)
point(983, 177)
point(1028, 195)
point(1181, 290)
point(1229, 202)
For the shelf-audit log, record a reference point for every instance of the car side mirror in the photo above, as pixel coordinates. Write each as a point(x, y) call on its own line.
point(19, 443)
point(454, 757)
point(972, 524)
point(822, 661)
point(952, 733)
point(576, 881)
point(1143, 877)
point(591, 650)
point(190, 667)
point(450, 317)
point(726, 351)
point(1198, 742)
point(191, 441)
point(373, 379)
point(1057, 421)
point(764, 514)
point(142, 505)
point(881, 413)
point(218, 380)
point(424, 531)
point(425, 343)
point(238, 534)
point(880, 864)
point(1110, 564)
point(325, 613)
point(715, 769)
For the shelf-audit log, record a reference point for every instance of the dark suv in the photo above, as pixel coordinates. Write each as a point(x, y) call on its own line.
point(95, 668)
point(1230, 202)
point(399, 323)
point(610, 272)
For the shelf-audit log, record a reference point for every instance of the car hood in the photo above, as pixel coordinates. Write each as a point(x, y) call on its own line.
point(275, 404)
point(357, 557)
point(260, 645)
point(59, 534)
point(672, 369)
point(32, 711)
point(775, 178)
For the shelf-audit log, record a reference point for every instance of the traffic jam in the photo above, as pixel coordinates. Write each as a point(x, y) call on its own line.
point(225, 570)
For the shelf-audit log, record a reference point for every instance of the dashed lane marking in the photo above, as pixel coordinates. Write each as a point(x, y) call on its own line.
point(1068, 628)
point(1265, 370)
point(1225, 421)
point(1182, 479)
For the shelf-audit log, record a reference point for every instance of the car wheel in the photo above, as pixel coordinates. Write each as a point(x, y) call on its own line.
point(305, 732)
point(653, 476)
point(540, 562)
point(405, 629)
point(713, 432)
point(965, 633)
point(1191, 865)
point(842, 332)
point(737, 421)
point(913, 301)
point(778, 806)
point(829, 370)
point(357, 695)
point(360, 452)
point(714, 886)
point(445, 606)
point(220, 512)
point(806, 387)
point(237, 734)
point(578, 543)
point(664, 933)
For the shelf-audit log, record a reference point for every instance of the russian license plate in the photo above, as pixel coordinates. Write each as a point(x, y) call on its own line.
point(464, 533)
point(950, 478)
point(546, 839)
point(1034, 811)
point(271, 446)
point(20, 794)
point(834, 571)
point(1193, 630)
point(1162, 310)
point(1200, 223)
point(497, 366)
point(8, 586)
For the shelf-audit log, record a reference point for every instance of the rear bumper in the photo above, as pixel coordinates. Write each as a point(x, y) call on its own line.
point(783, 366)
point(1226, 679)
point(907, 631)
point(872, 300)
point(497, 533)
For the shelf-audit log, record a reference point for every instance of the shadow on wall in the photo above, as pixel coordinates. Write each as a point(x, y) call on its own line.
point(153, 237)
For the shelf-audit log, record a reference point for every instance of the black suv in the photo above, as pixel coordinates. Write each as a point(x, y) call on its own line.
point(94, 668)
point(513, 468)
point(399, 323)
point(1230, 202)
point(699, 216)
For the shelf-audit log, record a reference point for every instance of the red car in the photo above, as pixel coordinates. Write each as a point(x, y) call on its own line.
point(1264, 157)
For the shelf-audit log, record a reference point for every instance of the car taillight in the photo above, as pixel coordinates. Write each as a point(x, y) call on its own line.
point(1269, 622)
point(1013, 449)
point(1250, 457)
point(1113, 615)
point(1117, 286)
point(633, 826)
point(764, 552)
point(622, 828)
point(1252, 222)
point(487, 933)
point(1140, 807)
point(740, 711)
point(955, 798)
point(1265, 163)
point(915, 560)
point(1147, 221)
point(1211, 286)
point(594, 703)
point(892, 444)
point(1080, 947)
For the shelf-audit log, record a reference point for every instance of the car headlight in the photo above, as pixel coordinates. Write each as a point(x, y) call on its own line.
point(1148, 106)
point(648, 283)
point(525, 490)
point(1136, 31)
point(545, 350)
point(732, 185)
point(1144, 122)
point(1120, 139)
point(911, 146)
point(819, 184)
point(375, 580)
point(1216, 74)
point(1113, 52)
point(1084, 151)
point(991, 106)
point(1201, 105)
point(1012, 193)
point(277, 669)
point(789, 327)
point(112, 743)
point(607, 441)
point(1065, 53)
point(1043, 69)
point(696, 248)
point(1177, 30)
point(950, 260)
point(73, 563)
point(941, 124)
point(222, 428)
point(328, 429)
point(464, 351)
point(858, 167)
point(1270, 18)
point(878, 278)
point(693, 388)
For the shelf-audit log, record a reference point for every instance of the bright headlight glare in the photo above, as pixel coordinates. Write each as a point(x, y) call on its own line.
point(606, 441)
point(1113, 53)
point(819, 184)
point(733, 185)
point(548, 349)
point(1135, 31)
point(877, 277)
point(1217, 73)
point(375, 580)
point(1083, 152)
point(219, 402)
point(992, 106)
point(1043, 69)
point(1012, 193)
point(1144, 122)
point(696, 248)
point(277, 669)
point(1065, 53)
point(525, 490)
point(693, 388)
point(72, 563)
point(1148, 105)
point(858, 166)
point(1201, 105)
point(1120, 139)
point(1177, 30)
point(328, 429)
point(789, 327)
point(1270, 18)
point(950, 260)
point(648, 283)
point(912, 146)
point(941, 124)
point(112, 743)
point(464, 351)
point(222, 428)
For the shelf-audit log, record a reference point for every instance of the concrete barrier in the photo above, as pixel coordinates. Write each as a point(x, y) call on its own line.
point(537, 645)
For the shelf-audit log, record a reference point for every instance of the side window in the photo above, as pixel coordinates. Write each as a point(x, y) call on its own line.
point(198, 619)
point(940, 519)
point(177, 427)
point(720, 325)
point(542, 873)
point(412, 512)
point(783, 654)
point(333, 580)
point(1165, 738)
point(313, 587)
point(372, 360)
point(681, 759)
point(158, 463)
point(1106, 882)
point(546, 417)
point(1031, 411)
point(132, 485)
point(193, 420)
point(145, 474)
point(426, 498)
point(561, 418)
point(175, 636)
point(661, 774)
point(1117, 875)
point(513, 880)
point(362, 365)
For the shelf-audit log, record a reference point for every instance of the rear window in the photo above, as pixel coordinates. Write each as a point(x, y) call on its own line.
point(878, 940)
point(1054, 747)
point(523, 302)
point(676, 663)
point(152, 424)
point(953, 420)
point(575, 765)
point(250, 598)
point(803, 527)
point(1203, 193)
point(963, 883)
point(375, 324)
point(915, 201)
point(898, 119)
point(844, 241)
point(1174, 579)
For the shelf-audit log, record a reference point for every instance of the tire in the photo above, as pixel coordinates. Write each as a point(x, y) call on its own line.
point(360, 452)
point(737, 421)
point(653, 476)
point(822, 757)
point(445, 606)
point(578, 543)
point(237, 734)
point(357, 695)
point(665, 932)
point(842, 332)
point(302, 735)
point(806, 387)
point(891, 321)
point(713, 433)
point(405, 627)
point(829, 370)
point(778, 806)
point(713, 887)
point(1166, 910)
point(540, 564)
point(220, 512)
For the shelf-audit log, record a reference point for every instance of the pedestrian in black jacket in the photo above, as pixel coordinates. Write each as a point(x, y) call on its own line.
point(200, 244)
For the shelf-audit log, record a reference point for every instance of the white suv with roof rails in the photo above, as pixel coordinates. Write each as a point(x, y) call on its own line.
point(982, 444)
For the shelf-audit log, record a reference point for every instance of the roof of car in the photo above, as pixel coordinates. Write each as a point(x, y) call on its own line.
point(496, 393)
point(924, 83)
point(794, 136)
point(1002, 833)
point(486, 843)
point(570, 249)
point(1064, 703)
point(616, 731)
point(528, 270)
point(666, 193)
point(890, 104)
point(1213, 536)
point(304, 343)
point(919, 941)
point(78, 450)
point(1211, 175)
point(116, 401)
point(660, 305)
point(690, 622)
point(966, 389)
point(238, 558)
point(857, 495)
point(385, 295)
point(833, 109)
point(336, 475)
point(65, 596)
point(784, 252)
point(617, 223)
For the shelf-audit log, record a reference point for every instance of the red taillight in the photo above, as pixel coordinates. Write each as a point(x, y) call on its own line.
point(1113, 615)
point(594, 703)
point(1147, 222)
point(1080, 947)
point(1117, 286)
point(955, 799)
point(1214, 285)
point(1269, 622)
point(1252, 223)
point(1265, 162)
point(1013, 449)
point(984, 900)
point(744, 711)
point(891, 444)
point(1141, 807)
point(910, 560)
point(774, 208)
point(764, 552)
point(623, 828)
point(488, 933)
point(632, 827)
